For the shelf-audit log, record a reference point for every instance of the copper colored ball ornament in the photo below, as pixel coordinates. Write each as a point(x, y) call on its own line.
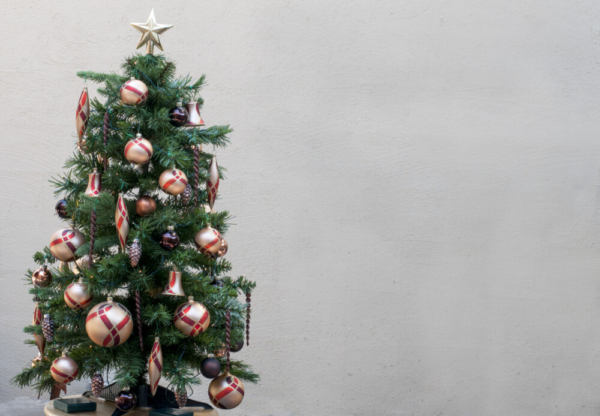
point(109, 324)
point(125, 400)
point(208, 241)
point(134, 92)
point(138, 150)
point(64, 369)
point(145, 206)
point(65, 242)
point(77, 295)
point(41, 277)
point(223, 249)
point(191, 318)
point(226, 391)
point(178, 115)
point(173, 181)
point(210, 367)
point(61, 209)
point(169, 240)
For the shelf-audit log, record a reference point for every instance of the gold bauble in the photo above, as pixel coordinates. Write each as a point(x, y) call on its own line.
point(65, 242)
point(226, 391)
point(145, 206)
point(138, 150)
point(191, 318)
point(109, 324)
point(64, 369)
point(208, 241)
point(41, 277)
point(134, 92)
point(77, 295)
point(173, 181)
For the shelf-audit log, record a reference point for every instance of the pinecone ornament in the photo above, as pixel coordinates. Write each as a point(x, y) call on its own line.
point(48, 328)
point(97, 384)
point(181, 398)
point(135, 252)
point(186, 195)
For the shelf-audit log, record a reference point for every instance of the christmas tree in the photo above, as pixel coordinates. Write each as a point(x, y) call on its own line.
point(141, 236)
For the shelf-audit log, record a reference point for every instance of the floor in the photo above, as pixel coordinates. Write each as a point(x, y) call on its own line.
point(23, 406)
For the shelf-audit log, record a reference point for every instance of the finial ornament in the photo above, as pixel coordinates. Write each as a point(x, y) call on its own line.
point(150, 33)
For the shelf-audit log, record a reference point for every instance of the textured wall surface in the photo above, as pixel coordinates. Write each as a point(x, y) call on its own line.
point(415, 187)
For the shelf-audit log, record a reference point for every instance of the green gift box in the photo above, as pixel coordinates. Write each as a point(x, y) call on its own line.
point(78, 404)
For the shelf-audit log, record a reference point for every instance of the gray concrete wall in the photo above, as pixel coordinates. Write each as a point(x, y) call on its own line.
point(415, 187)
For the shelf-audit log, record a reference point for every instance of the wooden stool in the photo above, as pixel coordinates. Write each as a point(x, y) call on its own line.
point(106, 408)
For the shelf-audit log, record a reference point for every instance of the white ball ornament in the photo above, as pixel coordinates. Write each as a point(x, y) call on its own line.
point(109, 324)
point(134, 92)
point(65, 242)
point(138, 150)
point(173, 181)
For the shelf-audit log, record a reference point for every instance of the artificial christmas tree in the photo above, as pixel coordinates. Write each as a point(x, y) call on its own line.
point(120, 195)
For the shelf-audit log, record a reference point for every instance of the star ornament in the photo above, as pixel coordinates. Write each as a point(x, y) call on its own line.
point(150, 31)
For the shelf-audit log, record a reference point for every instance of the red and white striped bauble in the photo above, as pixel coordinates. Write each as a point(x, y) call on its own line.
point(173, 181)
point(134, 92)
point(138, 150)
point(64, 369)
point(122, 221)
point(191, 318)
point(83, 113)
point(109, 324)
point(226, 391)
point(65, 242)
point(208, 241)
point(94, 184)
point(212, 184)
point(77, 295)
point(155, 366)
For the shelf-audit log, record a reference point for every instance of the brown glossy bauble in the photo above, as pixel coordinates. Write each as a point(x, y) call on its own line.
point(145, 206)
point(125, 400)
point(178, 115)
point(210, 367)
point(223, 249)
point(169, 240)
point(237, 346)
point(61, 208)
point(42, 277)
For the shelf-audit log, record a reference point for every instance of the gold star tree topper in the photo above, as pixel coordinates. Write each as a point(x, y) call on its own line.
point(150, 31)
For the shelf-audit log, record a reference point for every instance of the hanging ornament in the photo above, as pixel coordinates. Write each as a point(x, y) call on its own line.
point(173, 181)
point(207, 209)
point(36, 360)
point(212, 185)
point(174, 287)
point(191, 318)
point(61, 208)
point(145, 206)
point(138, 315)
point(210, 367)
point(223, 249)
point(194, 117)
point(40, 340)
point(83, 147)
point(208, 241)
point(138, 150)
point(64, 243)
point(97, 384)
point(178, 115)
point(169, 240)
point(226, 391)
point(237, 346)
point(82, 263)
point(155, 366)
point(122, 221)
point(150, 33)
point(109, 323)
point(94, 184)
point(186, 195)
point(125, 400)
point(41, 277)
point(134, 92)
point(64, 369)
point(135, 252)
point(221, 352)
point(248, 317)
point(181, 398)
point(48, 328)
point(83, 113)
point(77, 295)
